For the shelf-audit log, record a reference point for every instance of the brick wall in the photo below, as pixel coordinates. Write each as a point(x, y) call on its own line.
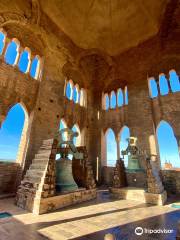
point(8, 177)
point(171, 181)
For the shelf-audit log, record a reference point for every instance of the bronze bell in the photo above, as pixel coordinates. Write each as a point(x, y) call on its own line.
point(133, 163)
point(64, 177)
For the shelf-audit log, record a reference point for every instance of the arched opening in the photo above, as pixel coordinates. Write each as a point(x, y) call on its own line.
point(168, 147)
point(153, 89)
point(163, 84)
point(35, 67)
point(77, 140)
point(63, 125)
point(174, 81)
point(12, 52)
point(24, 61)
point(69, 90)
point(124, 135)
point(126, 96)
point(111, 147)
point(75, 94)
point(2, 42)
point(120, 98)
point(107, 102)
point(83, 97)
point(13, 134)
point(113, 100)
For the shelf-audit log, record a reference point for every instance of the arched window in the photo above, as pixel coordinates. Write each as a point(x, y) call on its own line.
point(12, 53)
point(113, 100)
point(124, 135)
point(168, 147)
point(35, 67)
point(77, 140)
point(63, 125)
point(83, 97)
point(75, 94)
point(126, 95)
point(163, 84)
point(107, 102)
point(10, 133)
point(120, 98)
point(174, 81)
point(69, 90)
point(153, 89)
point(24, 61)
point(111, 148)
point(2, 41)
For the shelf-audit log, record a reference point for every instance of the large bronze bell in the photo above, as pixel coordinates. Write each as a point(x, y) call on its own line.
point(133, 157)
point(64, 177)
point(133, 163)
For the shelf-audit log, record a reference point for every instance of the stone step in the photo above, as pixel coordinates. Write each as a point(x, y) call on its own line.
point(32, 179)
point(40, 161)
point(34, 172)
point(38, 166)
point(42, 156)
point(48, 141)
point(44, 151)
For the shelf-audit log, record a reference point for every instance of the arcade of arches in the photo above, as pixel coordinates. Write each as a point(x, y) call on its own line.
point(108, 70)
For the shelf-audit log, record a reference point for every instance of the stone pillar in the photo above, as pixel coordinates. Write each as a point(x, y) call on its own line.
point(49, 108)
point(140, 120)
point(118, 147)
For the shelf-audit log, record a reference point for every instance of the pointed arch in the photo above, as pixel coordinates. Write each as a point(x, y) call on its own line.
point(24, 61)
point(77, 140)
point(83, 97)
point(111, 147)
point(123, 143)
point(126, 95)
point(75, 93)
point(167, 143)
point(106, 101)
point(35, 67)
point(153, 89)
point(12, 52)
point(113, 100)
point(14, 134)
point(163, 85)
point(174, 81)
point(120, 98)
point(2, 41)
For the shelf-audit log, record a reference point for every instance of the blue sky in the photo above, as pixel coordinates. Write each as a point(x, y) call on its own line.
point(10, 132)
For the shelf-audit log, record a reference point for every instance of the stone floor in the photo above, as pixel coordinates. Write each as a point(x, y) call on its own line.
point(90, 220)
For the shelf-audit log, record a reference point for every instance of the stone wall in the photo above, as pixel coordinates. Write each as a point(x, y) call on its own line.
point(133, 179)
point(8, 177)
point(107, 175)
point(171, 181)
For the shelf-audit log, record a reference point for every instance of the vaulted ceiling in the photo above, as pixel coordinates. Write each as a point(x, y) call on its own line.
point(111, 26)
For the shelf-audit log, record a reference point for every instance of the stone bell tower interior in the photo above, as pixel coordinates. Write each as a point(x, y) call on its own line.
point(89, 119)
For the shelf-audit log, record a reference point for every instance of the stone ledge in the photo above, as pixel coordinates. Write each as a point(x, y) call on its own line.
point(139, 194)
point(56, 202)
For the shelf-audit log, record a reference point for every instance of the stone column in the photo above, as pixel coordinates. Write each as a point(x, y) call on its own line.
point(118, 147)
point(49, 108)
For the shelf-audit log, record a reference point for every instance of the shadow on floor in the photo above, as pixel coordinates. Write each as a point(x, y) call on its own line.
point(166, 221)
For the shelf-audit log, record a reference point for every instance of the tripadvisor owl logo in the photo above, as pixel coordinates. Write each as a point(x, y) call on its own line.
point(139, 231)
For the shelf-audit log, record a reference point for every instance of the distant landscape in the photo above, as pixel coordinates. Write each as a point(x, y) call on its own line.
point(7, 160)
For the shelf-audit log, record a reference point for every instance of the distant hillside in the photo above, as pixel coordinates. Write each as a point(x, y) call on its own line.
point(7, 160)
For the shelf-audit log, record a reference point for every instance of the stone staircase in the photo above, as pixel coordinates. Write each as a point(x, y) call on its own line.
point(39, 180)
